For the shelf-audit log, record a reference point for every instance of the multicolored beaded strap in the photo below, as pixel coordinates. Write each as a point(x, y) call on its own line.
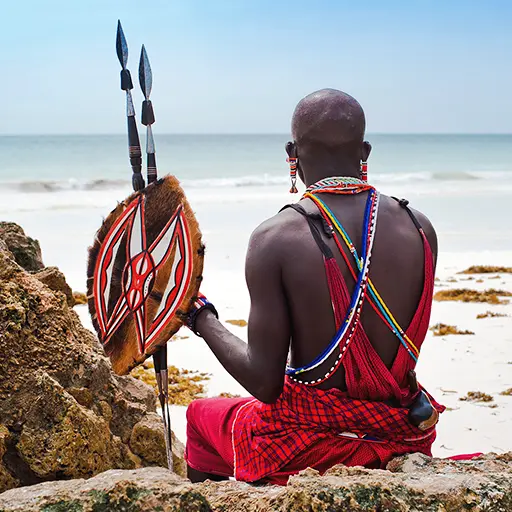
point(348, 326)
point(375, 298)
point(347, 329)
point(353, 185)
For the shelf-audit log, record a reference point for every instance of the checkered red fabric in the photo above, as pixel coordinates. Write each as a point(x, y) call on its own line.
point(267, 437)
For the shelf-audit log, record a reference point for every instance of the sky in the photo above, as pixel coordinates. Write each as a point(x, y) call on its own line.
point(241, 66)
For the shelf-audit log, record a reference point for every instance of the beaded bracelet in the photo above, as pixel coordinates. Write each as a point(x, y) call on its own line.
point(201, 304)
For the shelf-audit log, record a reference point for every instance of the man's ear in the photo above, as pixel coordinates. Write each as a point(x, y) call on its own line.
point(366, 149)
point(291, 149)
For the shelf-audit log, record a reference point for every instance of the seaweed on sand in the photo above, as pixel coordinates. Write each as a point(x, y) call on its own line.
point(80, 298)
point(487, 269)
point(490, 296)
point(225, 394)
point(477, 396)
point(184, 385)
point(490, 314)
point(444, 329)
point(239, 323)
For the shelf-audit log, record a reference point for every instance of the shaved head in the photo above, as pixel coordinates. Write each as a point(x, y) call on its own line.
point(328, 117)
point(328, 130)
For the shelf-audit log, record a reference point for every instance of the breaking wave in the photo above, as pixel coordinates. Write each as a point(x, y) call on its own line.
point(49, 186)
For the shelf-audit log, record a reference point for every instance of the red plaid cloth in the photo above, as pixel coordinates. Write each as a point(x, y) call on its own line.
point(266, 437)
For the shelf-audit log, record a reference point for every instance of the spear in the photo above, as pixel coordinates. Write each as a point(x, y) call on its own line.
point(133, 135)
point(159, 357)
point(148, 116)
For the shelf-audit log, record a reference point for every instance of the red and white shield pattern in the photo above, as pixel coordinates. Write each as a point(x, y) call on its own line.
point(140, 271)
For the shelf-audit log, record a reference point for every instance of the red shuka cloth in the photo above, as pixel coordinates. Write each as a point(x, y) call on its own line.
point(304, 428)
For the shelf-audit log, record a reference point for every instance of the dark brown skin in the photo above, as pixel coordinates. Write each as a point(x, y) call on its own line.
point(290, 303)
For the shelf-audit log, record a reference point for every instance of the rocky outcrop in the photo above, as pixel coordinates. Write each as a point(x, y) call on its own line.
point(413, 483)
point(55, 280)
point(147, 441)
point(25, 250)
point(63, 413)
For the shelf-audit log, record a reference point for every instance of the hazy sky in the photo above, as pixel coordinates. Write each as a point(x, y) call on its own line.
point(236, 66)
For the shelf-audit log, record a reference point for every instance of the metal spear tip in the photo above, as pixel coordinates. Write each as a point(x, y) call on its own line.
point(145, 75)
point(121, 46)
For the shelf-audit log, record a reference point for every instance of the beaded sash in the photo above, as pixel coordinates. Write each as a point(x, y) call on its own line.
point(343, 337)
point(345, 333)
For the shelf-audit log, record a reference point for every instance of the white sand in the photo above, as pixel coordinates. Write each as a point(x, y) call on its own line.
point(449, 366)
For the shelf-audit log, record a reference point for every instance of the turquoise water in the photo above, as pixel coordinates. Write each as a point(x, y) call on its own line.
point(243, 159)
point(60, 188)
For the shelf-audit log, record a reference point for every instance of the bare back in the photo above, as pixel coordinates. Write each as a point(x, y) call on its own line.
point(397, 270)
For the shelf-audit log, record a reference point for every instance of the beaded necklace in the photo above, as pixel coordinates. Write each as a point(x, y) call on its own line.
point(342, 185)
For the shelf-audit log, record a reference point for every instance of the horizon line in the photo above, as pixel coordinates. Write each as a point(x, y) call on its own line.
point(246, 134)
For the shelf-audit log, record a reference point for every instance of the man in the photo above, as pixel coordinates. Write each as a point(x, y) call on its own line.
point(357, 405)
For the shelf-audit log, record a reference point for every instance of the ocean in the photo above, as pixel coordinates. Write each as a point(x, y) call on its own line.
point(60, 187)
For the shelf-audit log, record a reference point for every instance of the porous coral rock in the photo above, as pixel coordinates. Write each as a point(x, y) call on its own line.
point(25, 250)
point(147, 441)
point(411, 483)
point(55, 280)
point(64, 413)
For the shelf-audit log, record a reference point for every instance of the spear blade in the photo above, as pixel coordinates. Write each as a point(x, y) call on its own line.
point(148, 116)
point(145, 75)
point(121, 46)
point(134, 152)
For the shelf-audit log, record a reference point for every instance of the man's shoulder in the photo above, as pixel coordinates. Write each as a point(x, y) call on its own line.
point(421, 218)
point(277, 231)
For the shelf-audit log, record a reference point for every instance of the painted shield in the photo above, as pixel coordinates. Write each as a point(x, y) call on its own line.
point(144, 272)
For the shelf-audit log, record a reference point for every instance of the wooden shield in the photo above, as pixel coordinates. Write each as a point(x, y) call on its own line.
point(144, 272)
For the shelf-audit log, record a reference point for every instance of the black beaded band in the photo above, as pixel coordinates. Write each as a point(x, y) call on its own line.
point(193, 315)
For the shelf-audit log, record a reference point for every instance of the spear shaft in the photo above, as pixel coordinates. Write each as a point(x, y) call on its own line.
point(162, 379)
point(160, 357)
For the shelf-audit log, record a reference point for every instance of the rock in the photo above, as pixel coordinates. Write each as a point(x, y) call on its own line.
point(417, 484)
point(63, 412)
point(147, 435)
point(55, 280)
point(6, 479)
point(26, 251)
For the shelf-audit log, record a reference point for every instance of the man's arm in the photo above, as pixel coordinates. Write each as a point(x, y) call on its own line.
point(258, 365)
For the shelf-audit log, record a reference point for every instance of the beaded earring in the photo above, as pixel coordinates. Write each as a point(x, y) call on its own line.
point(364, 171)
point(292, 161)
